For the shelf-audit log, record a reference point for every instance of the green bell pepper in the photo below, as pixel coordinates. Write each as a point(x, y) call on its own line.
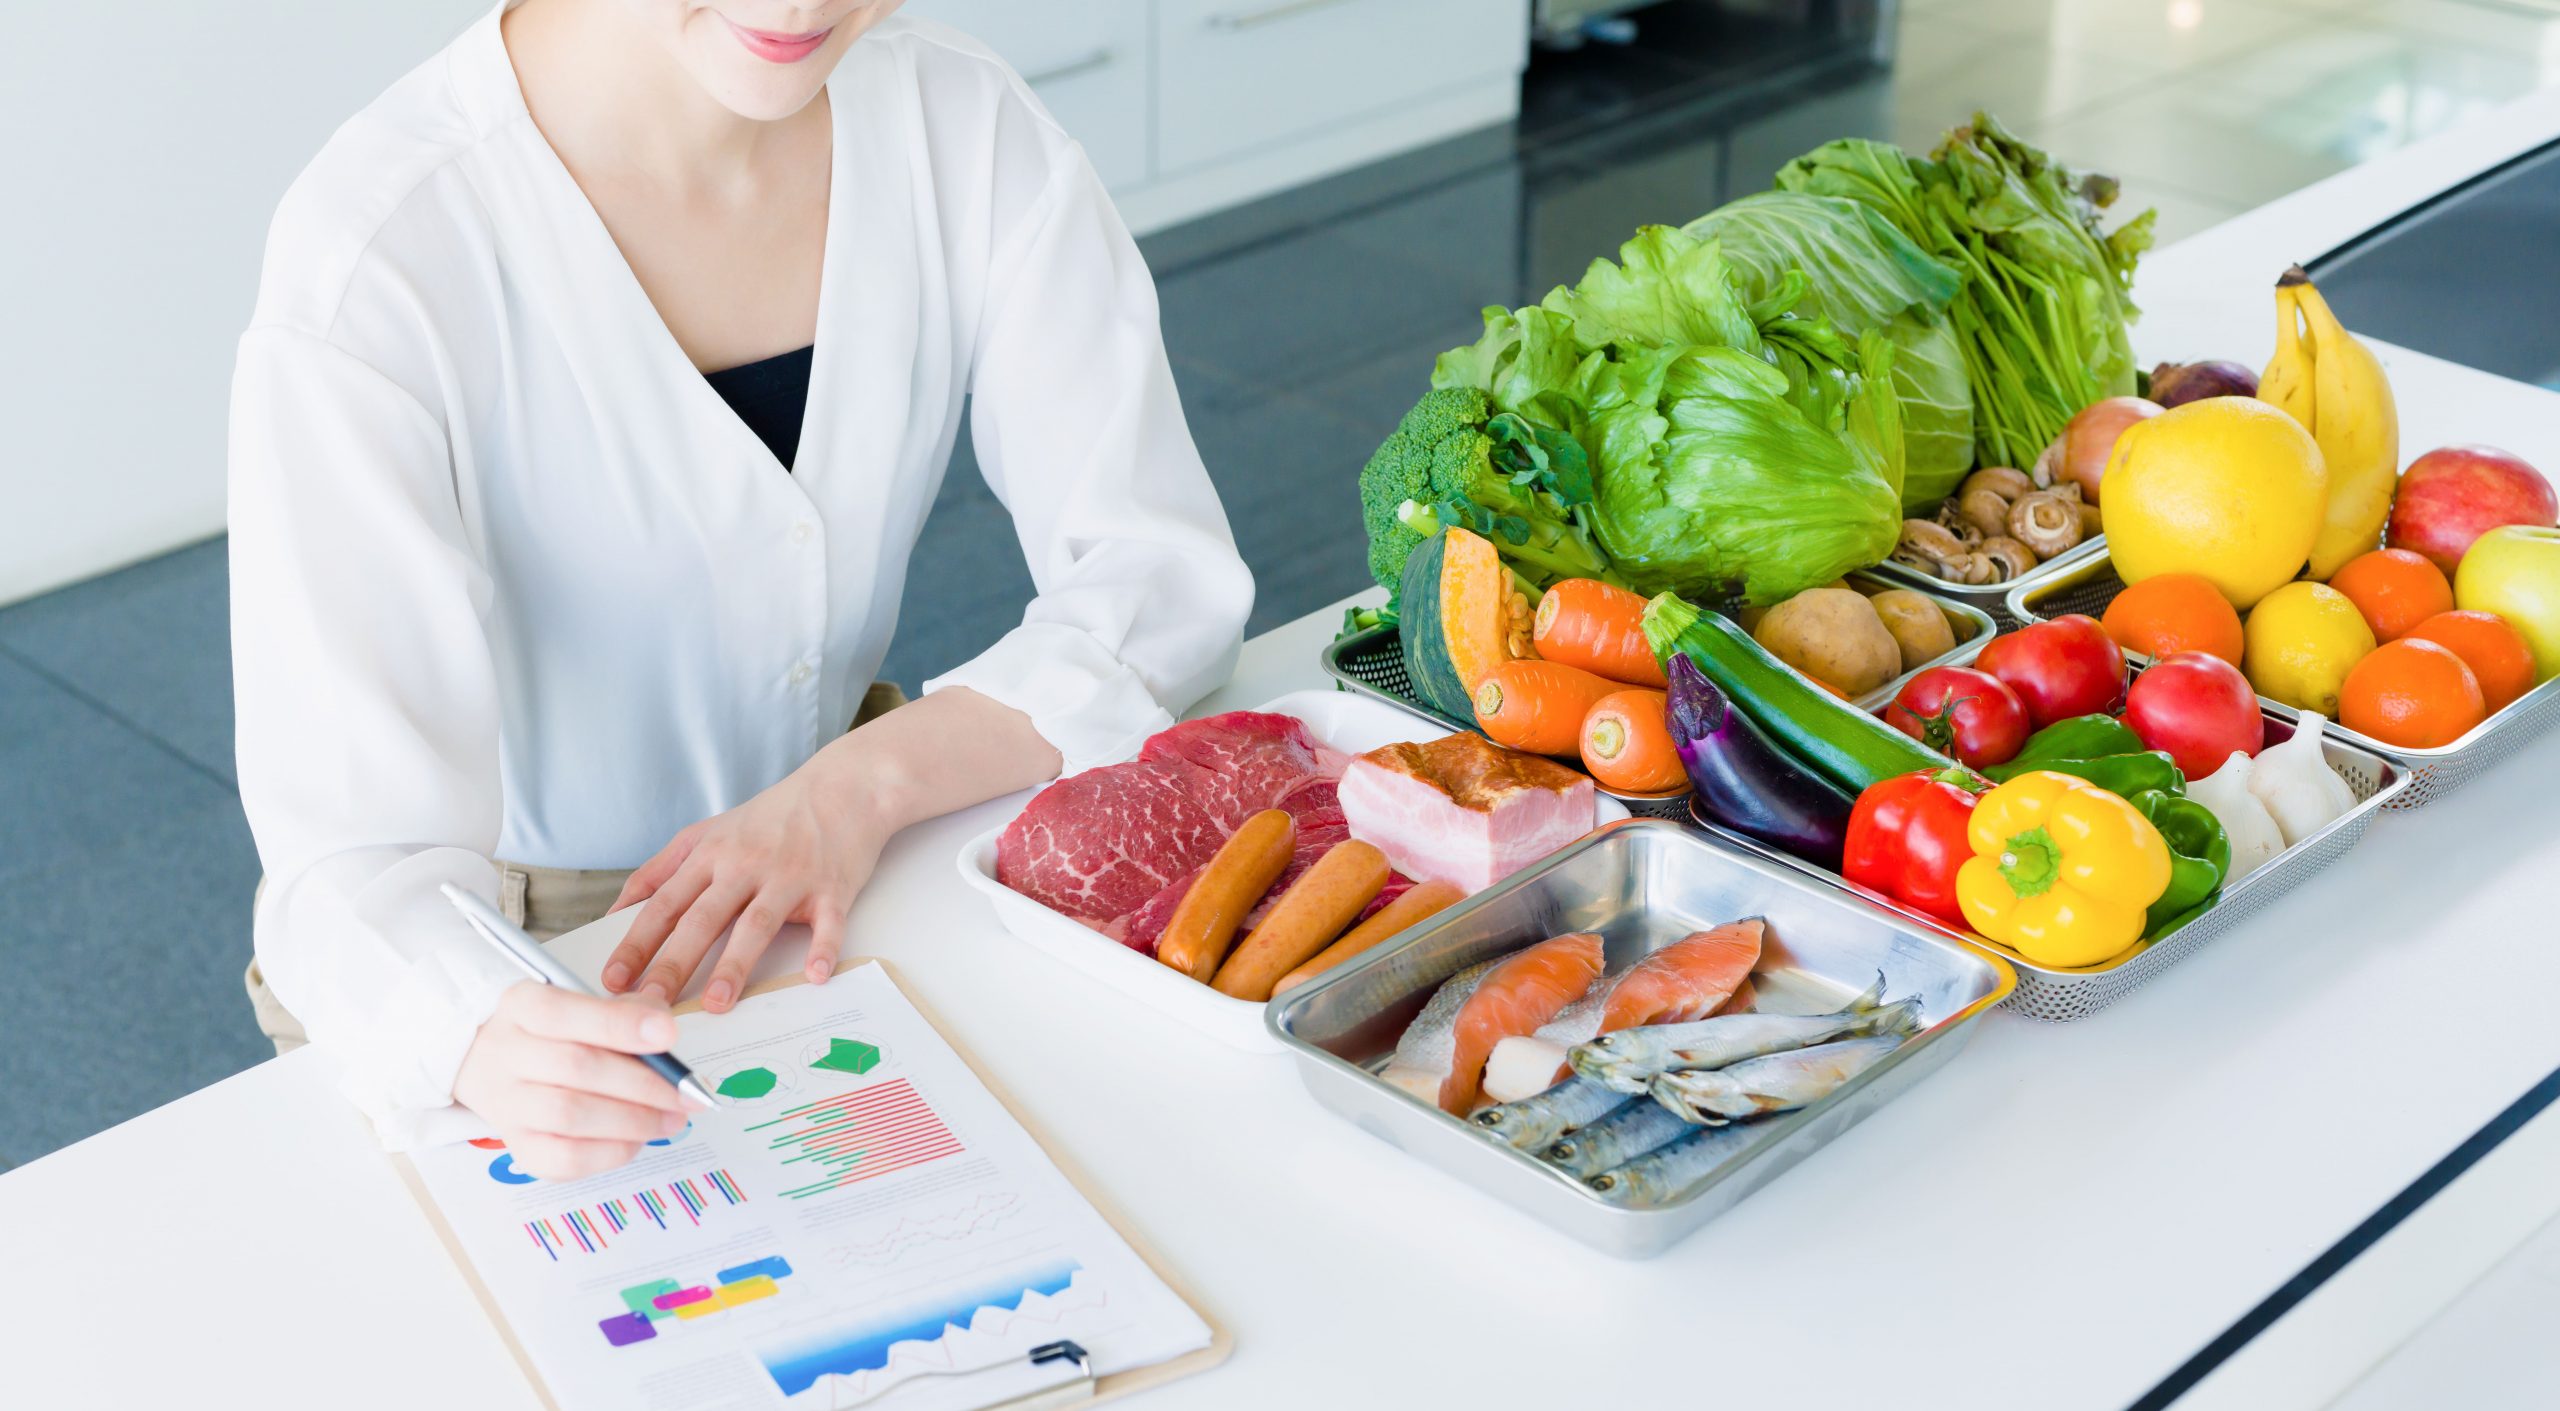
point(2141, 771)
point(2199, 858)
point(2080, 737)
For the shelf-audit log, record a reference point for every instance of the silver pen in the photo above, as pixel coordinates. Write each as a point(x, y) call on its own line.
point(538, 966)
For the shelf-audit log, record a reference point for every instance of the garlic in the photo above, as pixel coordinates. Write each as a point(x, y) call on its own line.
point(2297, 785)
point(2255, 838)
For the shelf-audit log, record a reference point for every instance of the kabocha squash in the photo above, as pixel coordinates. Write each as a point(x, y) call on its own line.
point(1461, 616)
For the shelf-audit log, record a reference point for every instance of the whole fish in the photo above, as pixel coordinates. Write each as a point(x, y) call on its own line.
point(1630, 1059)
point(1532, 1122)
point(1780, 1082)
point(1625, 1134)
point(1667, 1171)
point(1431, 1040)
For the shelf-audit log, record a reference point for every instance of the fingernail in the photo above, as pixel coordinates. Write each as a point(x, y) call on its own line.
point(719, 995)
point(655, 991)
point(658, 1029)
point(617, 975)
point(820, 967)
point(673, 1123)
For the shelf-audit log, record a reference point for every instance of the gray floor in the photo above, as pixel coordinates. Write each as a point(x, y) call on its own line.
point(1300, 329)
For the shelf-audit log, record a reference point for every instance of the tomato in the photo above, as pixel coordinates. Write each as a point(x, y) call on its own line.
point(2199, 708)
point(2062, 668)
point(1959, 711)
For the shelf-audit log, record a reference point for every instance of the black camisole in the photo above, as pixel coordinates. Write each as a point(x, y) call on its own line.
point(771, 396)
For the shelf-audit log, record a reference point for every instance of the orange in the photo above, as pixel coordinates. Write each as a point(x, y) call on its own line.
point(2498, 655)
point(2395, 589)
point(2175, 612)
point(2417, 695)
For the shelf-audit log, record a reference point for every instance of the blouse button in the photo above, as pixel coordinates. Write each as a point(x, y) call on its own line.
point(800, 532)
point(800, 674)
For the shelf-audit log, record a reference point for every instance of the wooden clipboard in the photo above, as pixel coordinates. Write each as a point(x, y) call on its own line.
point(1062, 1398)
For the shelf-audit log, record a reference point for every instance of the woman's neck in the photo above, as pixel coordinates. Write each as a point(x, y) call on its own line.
point(615, 104)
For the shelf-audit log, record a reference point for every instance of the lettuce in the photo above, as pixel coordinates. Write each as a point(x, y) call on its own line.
point(1860, 273)
point(1740, 449)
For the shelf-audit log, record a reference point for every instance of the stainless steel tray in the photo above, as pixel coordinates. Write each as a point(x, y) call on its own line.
point(1640, 884)
point(1992, 598)
point(1372, 663)
point(2060, 996)
point(2089, 586)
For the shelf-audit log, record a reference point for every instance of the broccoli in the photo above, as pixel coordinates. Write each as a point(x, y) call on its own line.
point(1454, 461)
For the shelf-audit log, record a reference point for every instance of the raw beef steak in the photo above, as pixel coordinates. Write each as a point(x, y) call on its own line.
point(1098, 845)
point(1254, 756)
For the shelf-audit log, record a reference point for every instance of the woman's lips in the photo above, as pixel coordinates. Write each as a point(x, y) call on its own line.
point(777, 48)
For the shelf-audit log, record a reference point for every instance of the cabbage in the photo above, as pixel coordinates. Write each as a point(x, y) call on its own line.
point(1860, 274)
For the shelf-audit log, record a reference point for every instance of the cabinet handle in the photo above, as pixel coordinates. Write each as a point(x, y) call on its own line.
point(1098, 59)
point(1238, 20)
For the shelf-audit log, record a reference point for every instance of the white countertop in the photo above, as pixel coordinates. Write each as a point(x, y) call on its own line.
point(2055, 1221)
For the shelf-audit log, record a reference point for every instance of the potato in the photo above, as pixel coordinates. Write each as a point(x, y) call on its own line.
point(1919, 626)
point(1831, 634)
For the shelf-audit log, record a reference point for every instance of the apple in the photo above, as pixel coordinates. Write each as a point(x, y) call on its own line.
point(2514, 571)
point(2449, 497)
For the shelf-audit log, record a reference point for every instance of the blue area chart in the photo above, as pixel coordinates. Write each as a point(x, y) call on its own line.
point(796, 1366)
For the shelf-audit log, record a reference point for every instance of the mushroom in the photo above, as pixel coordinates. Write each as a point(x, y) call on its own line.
point(1985, 510)
point(2045, 522)
point(2091, 526)
point(2008, 557)
point(1930, 546)
point(2006, 482)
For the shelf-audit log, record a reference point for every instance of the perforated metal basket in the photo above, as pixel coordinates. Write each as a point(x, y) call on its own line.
point(2089, 586)
point(1372, 663)
point(1990, 599)
point(2060, 996)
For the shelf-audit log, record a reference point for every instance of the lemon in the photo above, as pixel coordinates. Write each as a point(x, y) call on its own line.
point(2299, 644)
point(2227, 487)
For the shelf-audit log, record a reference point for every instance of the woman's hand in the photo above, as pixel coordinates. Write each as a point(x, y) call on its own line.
point(803, 849)
point(552, 1071)
point(799, 851)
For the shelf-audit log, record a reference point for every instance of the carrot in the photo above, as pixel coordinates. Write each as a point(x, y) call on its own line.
point(1537, 706)
point(1626, 744)
point(1593, 625)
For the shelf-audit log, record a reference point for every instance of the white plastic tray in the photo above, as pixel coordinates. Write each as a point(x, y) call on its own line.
point(1354, 724)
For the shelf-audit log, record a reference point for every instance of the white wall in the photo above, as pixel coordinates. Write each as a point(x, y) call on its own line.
point(142, 148)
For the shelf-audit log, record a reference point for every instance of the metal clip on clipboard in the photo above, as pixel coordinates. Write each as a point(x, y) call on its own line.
point(1075, 1391)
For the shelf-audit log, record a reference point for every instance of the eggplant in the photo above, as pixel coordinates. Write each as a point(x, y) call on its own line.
point(1746, 780)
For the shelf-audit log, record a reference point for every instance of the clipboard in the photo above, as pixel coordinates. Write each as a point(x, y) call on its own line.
point(1085, 1391)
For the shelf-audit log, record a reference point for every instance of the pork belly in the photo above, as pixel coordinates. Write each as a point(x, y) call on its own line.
point(1464, 810)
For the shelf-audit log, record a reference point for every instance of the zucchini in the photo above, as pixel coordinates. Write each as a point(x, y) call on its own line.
point(1461, 618)
point(1841, 742)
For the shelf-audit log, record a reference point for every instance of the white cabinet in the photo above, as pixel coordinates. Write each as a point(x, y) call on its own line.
point(1234, 76)
point(1087, 59)
point(1188, 106)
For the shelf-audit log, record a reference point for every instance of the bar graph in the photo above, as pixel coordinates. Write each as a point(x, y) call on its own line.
point(856, 1136)
point(590, 1228)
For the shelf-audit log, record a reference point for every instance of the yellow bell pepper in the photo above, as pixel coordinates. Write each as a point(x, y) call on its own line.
point(2062, 871)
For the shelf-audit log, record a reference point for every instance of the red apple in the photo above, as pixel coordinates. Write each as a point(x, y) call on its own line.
point(2448, 498)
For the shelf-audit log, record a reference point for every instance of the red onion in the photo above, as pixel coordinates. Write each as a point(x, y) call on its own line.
point(2176, 384)
point(2079, 454)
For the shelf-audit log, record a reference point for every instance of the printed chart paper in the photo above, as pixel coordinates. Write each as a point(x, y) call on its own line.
point(860, 1217)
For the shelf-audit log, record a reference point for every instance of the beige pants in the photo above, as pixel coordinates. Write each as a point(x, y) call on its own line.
point(545, 901)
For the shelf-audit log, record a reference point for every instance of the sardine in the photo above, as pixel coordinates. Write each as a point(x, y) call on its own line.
point(1532, 1122)
point(1666, 1171)
point(1630, 1059)
point(1778, 1083)
point(1430, 1042)
point(1625, 1134)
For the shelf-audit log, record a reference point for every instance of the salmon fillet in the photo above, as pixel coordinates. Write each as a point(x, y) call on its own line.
point(1514, 998)
point(1686, 979)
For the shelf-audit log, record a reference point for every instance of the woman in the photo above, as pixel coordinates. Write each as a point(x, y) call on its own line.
point(539, 572)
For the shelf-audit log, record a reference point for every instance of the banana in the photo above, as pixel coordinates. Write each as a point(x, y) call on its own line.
point(2322, 377)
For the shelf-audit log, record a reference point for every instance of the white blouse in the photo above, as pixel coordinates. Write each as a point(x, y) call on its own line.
point(509, 579)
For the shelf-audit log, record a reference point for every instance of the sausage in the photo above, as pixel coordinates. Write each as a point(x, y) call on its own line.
point(1419, 903)
point(1305, 919)
point(1204, 922)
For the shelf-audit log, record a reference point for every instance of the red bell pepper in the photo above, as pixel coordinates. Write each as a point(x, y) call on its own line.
point(1907, 838)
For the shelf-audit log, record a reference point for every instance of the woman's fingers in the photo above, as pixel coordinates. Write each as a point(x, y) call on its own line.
point(649, 929)
point(747, 940)
point(600, 1071)
point(826, 934)
point(624, 1025)
point(558, 1158)
point(649, 876)
point(570, 1112)
point(693, 936)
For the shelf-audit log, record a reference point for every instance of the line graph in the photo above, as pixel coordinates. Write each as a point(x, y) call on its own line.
point(978, 1327)
point(954, 1226)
